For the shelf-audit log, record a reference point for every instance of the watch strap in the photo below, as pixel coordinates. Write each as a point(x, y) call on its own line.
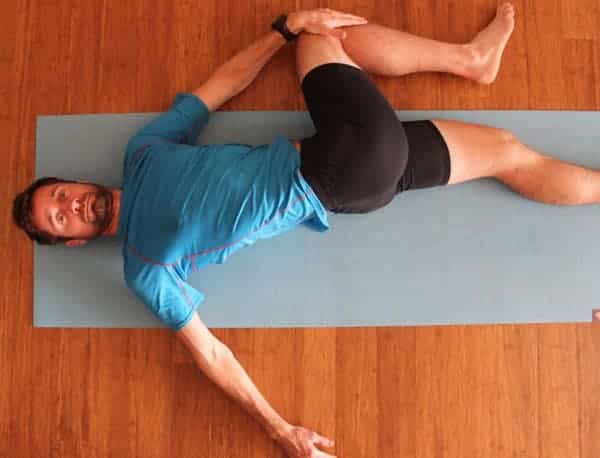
point(280, 25)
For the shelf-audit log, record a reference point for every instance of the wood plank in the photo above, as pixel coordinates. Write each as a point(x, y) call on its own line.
point(439, 391)
point(558, 392)
point(316, 377)
point(588, 349)
point(396, 391)
point(579, 19)
point(476, 391)
point(578, 91)
point(544, 54)
point(357, 410)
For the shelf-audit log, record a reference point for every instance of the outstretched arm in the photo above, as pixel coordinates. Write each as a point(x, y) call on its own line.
point(220, 365)
point(237, 73)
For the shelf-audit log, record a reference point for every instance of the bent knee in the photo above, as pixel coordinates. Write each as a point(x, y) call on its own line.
point(514, 152)
point(506, 136)
point(312, 39)
point(315, 50)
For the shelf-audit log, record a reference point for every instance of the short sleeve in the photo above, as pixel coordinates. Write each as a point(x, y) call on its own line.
point(181, 124)
point(169, 297)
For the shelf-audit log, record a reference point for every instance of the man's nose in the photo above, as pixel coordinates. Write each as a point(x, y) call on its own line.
point(75, 205)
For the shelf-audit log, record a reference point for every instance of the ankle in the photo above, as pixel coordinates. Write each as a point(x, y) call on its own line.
point(472, 61)
point(477, 64)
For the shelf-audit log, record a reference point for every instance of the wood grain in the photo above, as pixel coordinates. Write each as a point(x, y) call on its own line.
point(502, 391)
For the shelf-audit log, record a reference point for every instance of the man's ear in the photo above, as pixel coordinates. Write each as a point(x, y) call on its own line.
point(75, 242)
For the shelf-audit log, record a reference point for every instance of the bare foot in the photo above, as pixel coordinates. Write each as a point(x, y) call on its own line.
point(487, 47)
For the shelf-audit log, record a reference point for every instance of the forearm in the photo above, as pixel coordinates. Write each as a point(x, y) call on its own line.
point(237, 73)
point(243, 68)
point(221, 367)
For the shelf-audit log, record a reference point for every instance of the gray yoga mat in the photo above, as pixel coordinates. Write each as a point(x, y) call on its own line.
point(470, 253)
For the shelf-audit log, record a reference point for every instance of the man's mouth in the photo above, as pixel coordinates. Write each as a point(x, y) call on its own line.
point(86, 207)
point(99, 207)
point(89, 209)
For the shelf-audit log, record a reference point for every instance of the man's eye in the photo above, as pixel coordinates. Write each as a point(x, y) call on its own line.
point(60, 219)
point(62, 195)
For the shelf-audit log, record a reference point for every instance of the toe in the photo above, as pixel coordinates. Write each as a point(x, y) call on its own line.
point(507, 9)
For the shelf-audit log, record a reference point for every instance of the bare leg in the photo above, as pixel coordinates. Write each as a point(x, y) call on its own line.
point(475, 151)
point(384, 51)
point(479, 151)
point(390, 52)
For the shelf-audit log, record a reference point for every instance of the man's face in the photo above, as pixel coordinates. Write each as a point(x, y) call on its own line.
point(80, 211)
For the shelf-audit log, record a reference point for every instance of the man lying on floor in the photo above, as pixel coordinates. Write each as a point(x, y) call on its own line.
point(183, 206)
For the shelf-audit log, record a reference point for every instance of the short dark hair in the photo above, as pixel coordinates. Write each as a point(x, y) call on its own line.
point(22, 213)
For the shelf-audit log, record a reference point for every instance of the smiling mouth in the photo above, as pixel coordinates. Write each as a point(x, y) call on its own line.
point(87, 209)
point(100, 207)
point(85, 205)
point(96, 209)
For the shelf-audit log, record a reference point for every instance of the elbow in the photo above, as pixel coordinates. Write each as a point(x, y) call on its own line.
point(217, 353)
point(205, 348)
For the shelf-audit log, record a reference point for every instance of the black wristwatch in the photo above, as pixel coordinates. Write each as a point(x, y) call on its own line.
point(281, 27)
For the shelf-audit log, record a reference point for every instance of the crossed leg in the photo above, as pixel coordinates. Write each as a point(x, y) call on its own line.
point(476, 151)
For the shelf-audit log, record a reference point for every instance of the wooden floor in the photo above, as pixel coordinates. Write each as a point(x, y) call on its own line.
point(489, 391)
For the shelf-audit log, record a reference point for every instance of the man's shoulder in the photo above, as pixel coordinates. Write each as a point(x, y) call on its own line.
point(138, 271)
point(136, 146)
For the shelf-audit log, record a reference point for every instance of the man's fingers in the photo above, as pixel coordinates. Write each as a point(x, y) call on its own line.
point(348, 17)
point(342, 14)
point(324, 455)
point(325, 23)
point(323, 441)
point(339, 14)
point(344, 22)
point(352, 20)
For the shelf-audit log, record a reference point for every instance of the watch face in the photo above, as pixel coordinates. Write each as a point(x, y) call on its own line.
point(280, 21)
point(279, 25)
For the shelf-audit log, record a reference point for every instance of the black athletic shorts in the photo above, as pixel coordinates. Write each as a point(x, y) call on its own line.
point(361, 155)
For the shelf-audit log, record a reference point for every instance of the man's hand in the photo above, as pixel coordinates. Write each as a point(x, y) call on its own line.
point(300, 442)
point(237, 73)
point(322, 21)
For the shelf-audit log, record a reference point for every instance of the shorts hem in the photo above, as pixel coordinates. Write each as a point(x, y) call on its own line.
point(447, 163)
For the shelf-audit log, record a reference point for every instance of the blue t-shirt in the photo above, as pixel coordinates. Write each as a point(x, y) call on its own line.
point(184, 206)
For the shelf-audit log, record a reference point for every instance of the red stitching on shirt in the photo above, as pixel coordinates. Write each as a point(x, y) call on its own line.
point(139, 152)
point(136, 252)
point(222, 247)
point(183, 291)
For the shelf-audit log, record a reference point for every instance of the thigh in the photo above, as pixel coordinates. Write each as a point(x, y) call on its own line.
point(477, 151)
point(314, 50)
point(359, 153)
